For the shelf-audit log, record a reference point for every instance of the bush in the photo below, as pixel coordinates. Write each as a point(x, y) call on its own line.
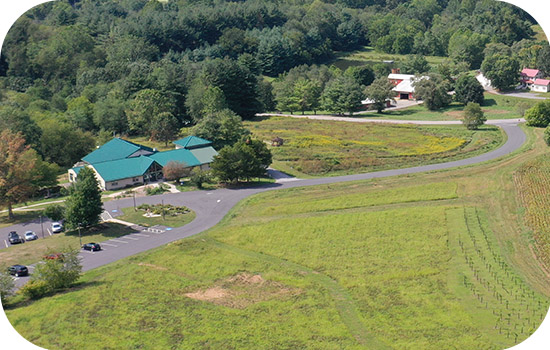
point(54, 212)
point(539, 115)
point(473, 116)
point(167, 209)
point(35, 289)
point(547, 135)
point(200, 177)
point(153, 191)
point(6, 285)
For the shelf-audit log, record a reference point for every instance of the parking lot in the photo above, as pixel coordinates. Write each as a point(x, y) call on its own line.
point(42, 231)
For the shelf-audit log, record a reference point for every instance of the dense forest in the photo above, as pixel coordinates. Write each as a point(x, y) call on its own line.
point(75, 72)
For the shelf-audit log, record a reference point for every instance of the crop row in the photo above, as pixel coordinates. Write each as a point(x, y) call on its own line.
point(516, 310)
point(533, 188)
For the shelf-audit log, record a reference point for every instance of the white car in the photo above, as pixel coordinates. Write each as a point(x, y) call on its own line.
point(56, 227)
point(30, 236)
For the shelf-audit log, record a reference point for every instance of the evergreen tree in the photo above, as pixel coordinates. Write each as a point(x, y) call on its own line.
point(84, 206)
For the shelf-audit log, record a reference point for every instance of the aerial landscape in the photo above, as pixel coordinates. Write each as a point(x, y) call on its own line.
point(288, 174)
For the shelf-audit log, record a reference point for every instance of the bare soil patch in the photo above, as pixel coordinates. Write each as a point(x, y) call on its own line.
point(242, 290)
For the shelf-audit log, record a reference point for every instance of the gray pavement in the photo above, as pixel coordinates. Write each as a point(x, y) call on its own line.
point(211, 206)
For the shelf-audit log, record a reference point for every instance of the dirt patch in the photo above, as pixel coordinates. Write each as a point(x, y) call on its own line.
point(155, 267)
point(242, 290)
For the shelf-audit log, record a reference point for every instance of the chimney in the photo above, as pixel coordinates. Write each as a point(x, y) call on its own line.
point(395, 71)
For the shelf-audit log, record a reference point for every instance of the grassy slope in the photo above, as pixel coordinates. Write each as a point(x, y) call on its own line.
point(342, 290)
point(323, 148)
point(369, 55)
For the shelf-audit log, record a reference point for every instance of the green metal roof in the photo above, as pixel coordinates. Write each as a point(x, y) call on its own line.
point(114, 149)
point(181, 155)
point(204, 155)
point(123, 168)
point(191, 142)
point(77, 169)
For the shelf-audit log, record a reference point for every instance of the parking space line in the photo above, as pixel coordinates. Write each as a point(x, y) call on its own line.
point(141, 235)
point(87, 251)
point(110, 245)
point(6, 242)
point(114, 240)
point(49, 231)
point(128, 237)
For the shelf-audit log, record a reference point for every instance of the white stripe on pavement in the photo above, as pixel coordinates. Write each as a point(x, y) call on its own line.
point(114, 240)
point(110, 245)
point(141, 235)
point(6, 242)
point(128, 237)
point(49, 231)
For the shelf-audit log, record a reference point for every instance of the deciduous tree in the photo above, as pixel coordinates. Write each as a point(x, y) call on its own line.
point(473, 116)
point(342, 95)
point(503, 71)
point(539, 114)
point(164, 127)
point(380, 91)
point(174, 171)
point(242, 161)
point(433, 91)
point(468, 89)
point(17, 165)
point(223, 128)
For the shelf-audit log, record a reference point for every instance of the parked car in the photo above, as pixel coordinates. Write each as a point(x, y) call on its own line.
point(14, 238)
point(93, 247)
point(54, 256)
point(57, 227)
point(18, 270)
point(30, 236)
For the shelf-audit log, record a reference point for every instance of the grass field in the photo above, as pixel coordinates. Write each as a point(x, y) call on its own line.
point(136, 217)
point(367, 55)
point(33, 251)
point(314, 148)
point(424, 261)
point(533, 188)
point(365, 265)
point(494, 107)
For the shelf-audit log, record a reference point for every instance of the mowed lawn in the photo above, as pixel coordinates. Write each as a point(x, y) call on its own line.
point(493, 107)
point(326, 148)
point(380, 268)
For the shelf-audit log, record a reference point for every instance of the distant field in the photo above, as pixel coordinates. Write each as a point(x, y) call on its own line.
point(362, 265)
point(533, 187)
point(367, 55)
point(314, 147)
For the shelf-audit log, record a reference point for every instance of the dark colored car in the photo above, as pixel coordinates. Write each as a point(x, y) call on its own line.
point(18, 270)
point(55, 256)
point(14, 238)
point(94, 247)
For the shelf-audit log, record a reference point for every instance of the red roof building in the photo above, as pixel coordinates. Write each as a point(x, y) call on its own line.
point(540, 85)
point(528, 76)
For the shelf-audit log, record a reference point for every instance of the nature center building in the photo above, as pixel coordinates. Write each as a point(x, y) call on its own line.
point(120, 163)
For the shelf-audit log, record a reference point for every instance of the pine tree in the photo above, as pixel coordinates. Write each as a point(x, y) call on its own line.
point(84, 205)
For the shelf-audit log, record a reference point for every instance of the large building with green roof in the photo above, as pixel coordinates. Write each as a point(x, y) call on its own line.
point(120, 163)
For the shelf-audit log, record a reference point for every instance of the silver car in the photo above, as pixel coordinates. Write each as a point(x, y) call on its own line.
point(56, 227)
point(30, 236)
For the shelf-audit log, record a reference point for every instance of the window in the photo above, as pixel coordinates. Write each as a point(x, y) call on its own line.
point(135, 179)
point(114, 183)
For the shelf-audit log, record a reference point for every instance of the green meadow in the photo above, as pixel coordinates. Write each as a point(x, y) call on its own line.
point(329, 148)
point(381, 264)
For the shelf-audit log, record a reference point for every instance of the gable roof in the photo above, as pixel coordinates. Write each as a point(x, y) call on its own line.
point(543, 82)
point(400, 76)
point(191, 142)
point(115, 149)
point(530, 72)
point(123, 168)
point(204, 155)
point(181, 155)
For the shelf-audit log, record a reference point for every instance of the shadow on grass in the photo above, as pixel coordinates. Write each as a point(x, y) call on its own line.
point(489, 102)
point(20, 301)
point(110, 230)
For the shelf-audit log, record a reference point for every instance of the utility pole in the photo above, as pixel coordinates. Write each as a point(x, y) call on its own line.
point(135, 209)
point(163, 219)
point(79, 235)
point(42, 226)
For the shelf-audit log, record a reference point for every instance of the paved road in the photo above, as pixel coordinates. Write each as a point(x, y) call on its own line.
point(211, 206)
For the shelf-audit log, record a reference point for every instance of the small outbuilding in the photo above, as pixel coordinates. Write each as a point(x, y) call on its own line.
point(540, 85)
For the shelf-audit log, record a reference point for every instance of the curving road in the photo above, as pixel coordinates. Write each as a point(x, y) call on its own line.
point(211, 206)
